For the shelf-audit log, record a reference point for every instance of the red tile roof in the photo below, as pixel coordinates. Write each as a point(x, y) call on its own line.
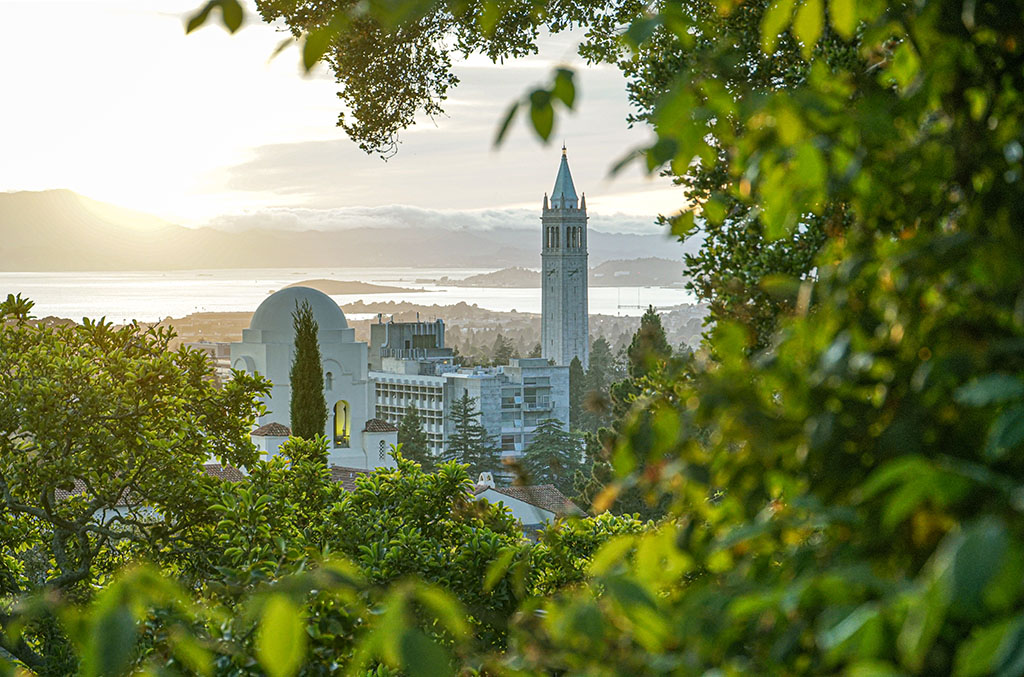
point(272, 429)
point(376, 425)
point(346, 476)
point(226, 473)
point(543, 496)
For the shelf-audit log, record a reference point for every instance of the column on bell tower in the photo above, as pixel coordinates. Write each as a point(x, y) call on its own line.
point(564, 272)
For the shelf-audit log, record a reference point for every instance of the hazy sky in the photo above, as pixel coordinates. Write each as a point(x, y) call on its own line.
point(113, 100)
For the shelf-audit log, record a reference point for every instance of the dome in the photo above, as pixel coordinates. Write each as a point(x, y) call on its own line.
point(275, 313)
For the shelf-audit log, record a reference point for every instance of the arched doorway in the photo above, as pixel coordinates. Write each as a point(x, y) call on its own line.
point(341, 423)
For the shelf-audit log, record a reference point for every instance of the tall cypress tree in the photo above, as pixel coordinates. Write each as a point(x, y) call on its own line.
point(469, 442)
point(415, 446)
point(308, 406)
point(577, 383)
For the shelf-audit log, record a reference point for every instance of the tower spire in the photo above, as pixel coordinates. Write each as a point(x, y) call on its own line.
point(563, 196)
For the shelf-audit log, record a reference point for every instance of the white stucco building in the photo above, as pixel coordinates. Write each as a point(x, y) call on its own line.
point(357, 440)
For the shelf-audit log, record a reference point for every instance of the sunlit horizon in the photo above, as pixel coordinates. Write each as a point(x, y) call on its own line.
point(122, 107)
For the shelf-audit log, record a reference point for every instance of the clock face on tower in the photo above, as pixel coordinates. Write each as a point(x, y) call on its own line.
point(551, 271)
point(573, 272)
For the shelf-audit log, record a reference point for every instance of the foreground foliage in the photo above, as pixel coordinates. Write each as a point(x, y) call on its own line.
point(845, 495)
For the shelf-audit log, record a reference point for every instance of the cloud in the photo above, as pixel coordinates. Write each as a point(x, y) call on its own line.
point(402, 216)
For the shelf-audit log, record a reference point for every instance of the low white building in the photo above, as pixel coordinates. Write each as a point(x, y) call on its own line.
point(534, 506)
point(268, 348)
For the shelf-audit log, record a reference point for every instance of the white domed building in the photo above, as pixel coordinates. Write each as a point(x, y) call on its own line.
point(357, 440)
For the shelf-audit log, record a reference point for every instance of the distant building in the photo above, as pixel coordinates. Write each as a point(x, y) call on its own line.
point(564, 306)
point(220, 358)
point(512, 399)
point(268, 346)
point(422, 342)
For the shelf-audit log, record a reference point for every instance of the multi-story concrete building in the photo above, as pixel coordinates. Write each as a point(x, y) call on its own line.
point(512, 399)
point(564, 308)
point(220, 358)
point(408, 341)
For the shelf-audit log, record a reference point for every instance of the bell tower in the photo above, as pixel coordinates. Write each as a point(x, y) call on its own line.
point(564, 323)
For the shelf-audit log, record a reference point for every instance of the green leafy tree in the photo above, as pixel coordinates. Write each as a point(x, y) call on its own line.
point(415, 445)
point(553, 456)
point(469, 441)
point(308, 406)
point(103, 435)
point(535, 351)
point(577, 382)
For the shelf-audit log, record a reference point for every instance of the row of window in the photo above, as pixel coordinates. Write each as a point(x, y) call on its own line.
point(573, 237)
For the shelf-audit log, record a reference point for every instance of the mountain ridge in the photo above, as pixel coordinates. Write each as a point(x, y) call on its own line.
point(60, 230)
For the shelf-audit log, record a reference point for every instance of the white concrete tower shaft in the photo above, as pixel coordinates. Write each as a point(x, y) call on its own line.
point(565, 332)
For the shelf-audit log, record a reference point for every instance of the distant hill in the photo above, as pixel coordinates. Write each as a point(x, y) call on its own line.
point(351, 287)
point(506, 277)
point(642, 272)
point(59, 230)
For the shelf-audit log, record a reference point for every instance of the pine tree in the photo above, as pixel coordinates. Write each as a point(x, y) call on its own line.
point(536, 351)
point(553, 456)
point(649, 347)
point(601, 373)
point(502, 351)
point(308, 406)
point(469, 442)
point(415, 446)
point(577, 379)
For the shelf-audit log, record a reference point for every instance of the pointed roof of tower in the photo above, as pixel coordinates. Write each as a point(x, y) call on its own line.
point(564, 193)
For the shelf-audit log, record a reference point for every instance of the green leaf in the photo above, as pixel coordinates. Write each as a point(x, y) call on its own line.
point(905, 65)
point(612, 554)
point(775, 20)
point(979, 654)
point(200, 17)
point(232, 14)
point(112, 643)
point(421, 656)
point(497, 569)
point(924, 619)
point(506, 123)
point(641, 30)
point(808, 25)
point(683, 223)
point(542, 114)
point(976, 561)
point(281, 643)
point(564, 89)
point(662, 151)
point(1006, 433)
point(844, 17)
point(445, 608)
point(990, 389)
point(315, 46)
point(188, 650)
